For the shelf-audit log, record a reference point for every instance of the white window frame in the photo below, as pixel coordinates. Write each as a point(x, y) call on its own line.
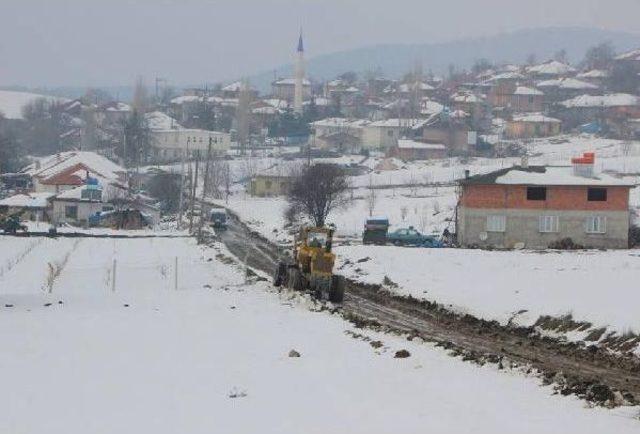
point(596, 224)
point(496, 223)
point(549, 224)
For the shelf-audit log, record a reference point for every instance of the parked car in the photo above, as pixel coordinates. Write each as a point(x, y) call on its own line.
point(411, 237)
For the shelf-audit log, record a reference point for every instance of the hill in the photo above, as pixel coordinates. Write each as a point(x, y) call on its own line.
point(396, 59)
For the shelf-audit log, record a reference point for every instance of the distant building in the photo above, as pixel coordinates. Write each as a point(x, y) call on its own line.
point(68, 170)
point(516, 98)
point(409, 150)
point(171, 144)
point(534, 206)
point(284, 89)
point(530, 125)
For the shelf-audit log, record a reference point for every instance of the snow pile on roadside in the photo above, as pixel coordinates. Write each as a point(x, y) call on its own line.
point(213, 356)
point(593, 286)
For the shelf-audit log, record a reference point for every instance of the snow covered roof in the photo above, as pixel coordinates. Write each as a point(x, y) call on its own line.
point(535, 117)
point(466, 97)
point(594, 73)
point(394, 122)
point(119, 107)
point(567, 83)
point(429, 107)
point(510, 75)
point(11, 103)
point(319, 101)
point(291, 82)
point(161, 121)
point(236, 86)
point(610, 100)
point(185, 98)
point(629, 55)
point(48, 167)
point(545, 175)
point(552, 67)
point(459, 114)
point(30, 200)
point(524, 90)
point(412, 144)
point(340, 122)
point(277, 103)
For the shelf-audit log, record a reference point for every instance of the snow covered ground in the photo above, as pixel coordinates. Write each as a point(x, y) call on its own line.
point(212, 356)
point(519, 286)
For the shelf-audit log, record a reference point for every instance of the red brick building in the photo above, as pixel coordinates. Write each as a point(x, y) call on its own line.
point(533, 206)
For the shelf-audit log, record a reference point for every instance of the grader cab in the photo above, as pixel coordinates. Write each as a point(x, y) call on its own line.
point(312, 266)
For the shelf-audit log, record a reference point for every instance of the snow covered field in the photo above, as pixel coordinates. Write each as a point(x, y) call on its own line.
point(212, 356)
point(403, 192)
point(593, 286)
point(12, 102)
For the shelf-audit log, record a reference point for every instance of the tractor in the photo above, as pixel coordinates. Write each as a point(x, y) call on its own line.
point(11, 224)
point(312, 266)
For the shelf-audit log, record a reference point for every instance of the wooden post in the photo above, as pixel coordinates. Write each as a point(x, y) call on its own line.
point(194, 185)
point(113, 275)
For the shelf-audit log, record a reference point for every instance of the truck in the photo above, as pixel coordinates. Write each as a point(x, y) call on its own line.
point(311, 266)
point(375, 230)
point(218, 218)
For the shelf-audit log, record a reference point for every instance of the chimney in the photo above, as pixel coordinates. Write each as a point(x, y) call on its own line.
point(467, 174)
point(524, 162)
point(583, 166)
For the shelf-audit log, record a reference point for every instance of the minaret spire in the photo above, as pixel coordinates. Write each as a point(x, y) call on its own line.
point(298, 95)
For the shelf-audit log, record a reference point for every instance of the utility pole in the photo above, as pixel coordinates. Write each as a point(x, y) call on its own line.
point(194, 185)
point(204, 191)
point(181, 200)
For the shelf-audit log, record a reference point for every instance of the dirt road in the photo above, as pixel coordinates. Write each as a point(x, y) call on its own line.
point(591, 373)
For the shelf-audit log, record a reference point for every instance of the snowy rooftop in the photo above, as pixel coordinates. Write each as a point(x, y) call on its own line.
point(340, 122)
point(50, 166)
point(610, 100)
point(629, 55)
point(407, 87)
point(535, 117)
point(412, 144)
point(394, 122)
point(119, 107)
point(545, 175)
point(594, 73)
point(466, 97)
point(31, 200)
point(161, 121)
point(236, 86)
point(552, 67)
point(291, 82)
point(567, 83)
point(524, 90)
point(510, 75)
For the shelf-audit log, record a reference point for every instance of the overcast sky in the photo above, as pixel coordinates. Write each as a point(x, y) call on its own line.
point(109, 42)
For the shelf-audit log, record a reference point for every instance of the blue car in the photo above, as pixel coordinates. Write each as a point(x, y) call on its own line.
point(411, 237)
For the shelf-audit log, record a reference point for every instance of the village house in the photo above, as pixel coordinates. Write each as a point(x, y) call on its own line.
point(171, 144)
point(535, 206)
point(530, 125)
point(274, 181)
point(68, 170)
point(409, 150)
point(559, 89)
point(29, 206)
point(611, 110)
point(284, 89)
point(340, 134)
point(550, 69)
point(77, 205)
point(451, 131)
point(516, 98)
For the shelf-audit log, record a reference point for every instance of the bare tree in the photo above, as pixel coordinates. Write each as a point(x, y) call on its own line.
point(599, 56)
point(140, 96)
point(317, 191)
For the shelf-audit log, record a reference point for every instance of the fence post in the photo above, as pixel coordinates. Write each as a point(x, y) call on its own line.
point(175, 275)
point(113, 275)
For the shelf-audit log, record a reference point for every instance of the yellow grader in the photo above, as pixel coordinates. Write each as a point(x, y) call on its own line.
point(312, 266)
